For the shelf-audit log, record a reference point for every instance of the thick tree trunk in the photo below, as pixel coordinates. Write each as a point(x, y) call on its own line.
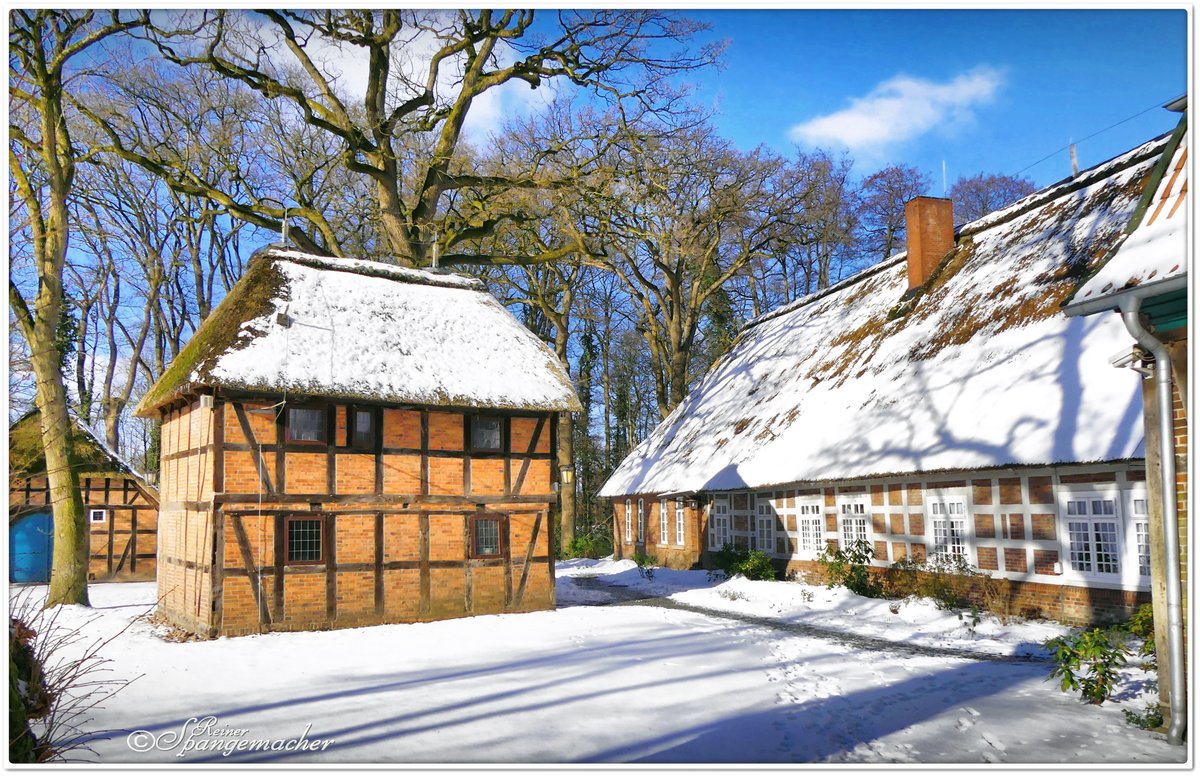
point(566, 467)
point(68, 575)
point(566, 448)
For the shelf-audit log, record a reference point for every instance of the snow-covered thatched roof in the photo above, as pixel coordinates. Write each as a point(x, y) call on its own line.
point(979, 369)
point(1155, 254)
point(89, 453)
point(351, 329)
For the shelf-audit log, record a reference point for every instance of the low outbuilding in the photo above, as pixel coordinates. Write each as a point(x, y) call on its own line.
point(348, 442)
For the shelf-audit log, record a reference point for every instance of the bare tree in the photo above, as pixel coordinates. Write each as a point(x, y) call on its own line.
point(881, 207)
point(403, 130)
point(980, 194)
point(45, 47)
point(687, 213)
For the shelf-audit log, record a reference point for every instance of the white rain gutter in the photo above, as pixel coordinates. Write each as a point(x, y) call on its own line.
point(1130, 313)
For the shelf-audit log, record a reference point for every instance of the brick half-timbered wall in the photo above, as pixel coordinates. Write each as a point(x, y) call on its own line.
point(671, 550)
point(1014, 524)
point(395, 517)
point(124, 544)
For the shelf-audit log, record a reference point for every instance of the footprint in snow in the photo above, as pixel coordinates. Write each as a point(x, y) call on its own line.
point(994, 742)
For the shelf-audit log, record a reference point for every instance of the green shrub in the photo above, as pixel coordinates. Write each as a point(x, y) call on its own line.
point(645, 564)
point(1088, 662)
point(751, 564)
point(1141, 625)
point(1150, 719)
point(849, 568)
point(593, 544)
point(941, 579)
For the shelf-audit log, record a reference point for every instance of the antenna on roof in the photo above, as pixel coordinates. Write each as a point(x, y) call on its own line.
point(1074, 162)
point(285, 228)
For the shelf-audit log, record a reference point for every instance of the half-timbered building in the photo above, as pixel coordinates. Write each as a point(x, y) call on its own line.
point(121, 506)
point(347, 442)
point(938, 405)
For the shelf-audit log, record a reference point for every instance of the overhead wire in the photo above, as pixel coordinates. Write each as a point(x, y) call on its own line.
point(1054, 153)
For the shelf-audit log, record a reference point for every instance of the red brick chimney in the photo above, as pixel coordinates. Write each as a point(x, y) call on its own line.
point(929, 226)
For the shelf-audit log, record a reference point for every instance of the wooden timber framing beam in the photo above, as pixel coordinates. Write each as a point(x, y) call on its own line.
point(264, 613)
point(259, 462)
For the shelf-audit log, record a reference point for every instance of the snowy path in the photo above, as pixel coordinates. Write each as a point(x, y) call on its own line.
point(592, 684)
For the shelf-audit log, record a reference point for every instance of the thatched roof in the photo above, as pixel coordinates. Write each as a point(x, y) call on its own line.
point(306, 325)
point(979, 369)
point(27, 456)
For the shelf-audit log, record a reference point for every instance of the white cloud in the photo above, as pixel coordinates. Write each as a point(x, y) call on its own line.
point(901, 109)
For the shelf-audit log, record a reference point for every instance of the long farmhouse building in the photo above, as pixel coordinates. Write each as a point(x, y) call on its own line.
point(939, 405)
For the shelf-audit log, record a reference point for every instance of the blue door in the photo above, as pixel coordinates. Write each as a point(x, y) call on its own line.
point(30, 548)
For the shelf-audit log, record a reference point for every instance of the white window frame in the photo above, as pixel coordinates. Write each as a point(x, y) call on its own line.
point(1138, 517)
point(1067, 515)
point(810, 513)
point(641, 512)
point(943, 510)
point(859, 512)
point(664, 525)
point(680, 522)
point(718, 522)
point(97, 515)
point(628, 521)
point(764, 515)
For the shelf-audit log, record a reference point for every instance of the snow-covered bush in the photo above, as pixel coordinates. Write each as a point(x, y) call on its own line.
point(850, 568)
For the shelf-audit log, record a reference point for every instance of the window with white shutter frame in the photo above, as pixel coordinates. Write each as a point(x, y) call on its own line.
point(718, 530)
point(679, 521)
point(810, 528)
point(1139, 516)
point(628, 520)
point(764, 526)
point(663, 525)
point(1093, 534)
point(852, 521)
point(641, 520)
point(948, 525)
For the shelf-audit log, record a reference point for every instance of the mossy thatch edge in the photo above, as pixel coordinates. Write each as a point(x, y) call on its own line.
point(253, 296)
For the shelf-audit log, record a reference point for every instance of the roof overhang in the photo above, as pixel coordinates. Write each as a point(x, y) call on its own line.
point(1115, 300)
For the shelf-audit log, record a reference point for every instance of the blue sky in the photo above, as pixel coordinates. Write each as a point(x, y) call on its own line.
point(985, 90)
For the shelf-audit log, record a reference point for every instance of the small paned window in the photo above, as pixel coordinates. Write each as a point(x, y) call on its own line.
point(304, 540)
point(361, 423)
point(679, 515)
point(664, 526)
point(306, 424)
point(97, 515)
point(718, 532)
point(1141, 527)
point(485, 432)
point(810, 524)
point(1092, 534)
point(764, 534)
point(487, 536)
point(949, 523)
point(641, 520)
point(628, 521)
point(853, 522)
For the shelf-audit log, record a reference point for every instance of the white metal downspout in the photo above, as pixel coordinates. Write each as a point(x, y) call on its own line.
point(1130, 310)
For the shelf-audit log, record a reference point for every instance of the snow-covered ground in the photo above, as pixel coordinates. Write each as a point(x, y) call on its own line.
point(655, 683)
